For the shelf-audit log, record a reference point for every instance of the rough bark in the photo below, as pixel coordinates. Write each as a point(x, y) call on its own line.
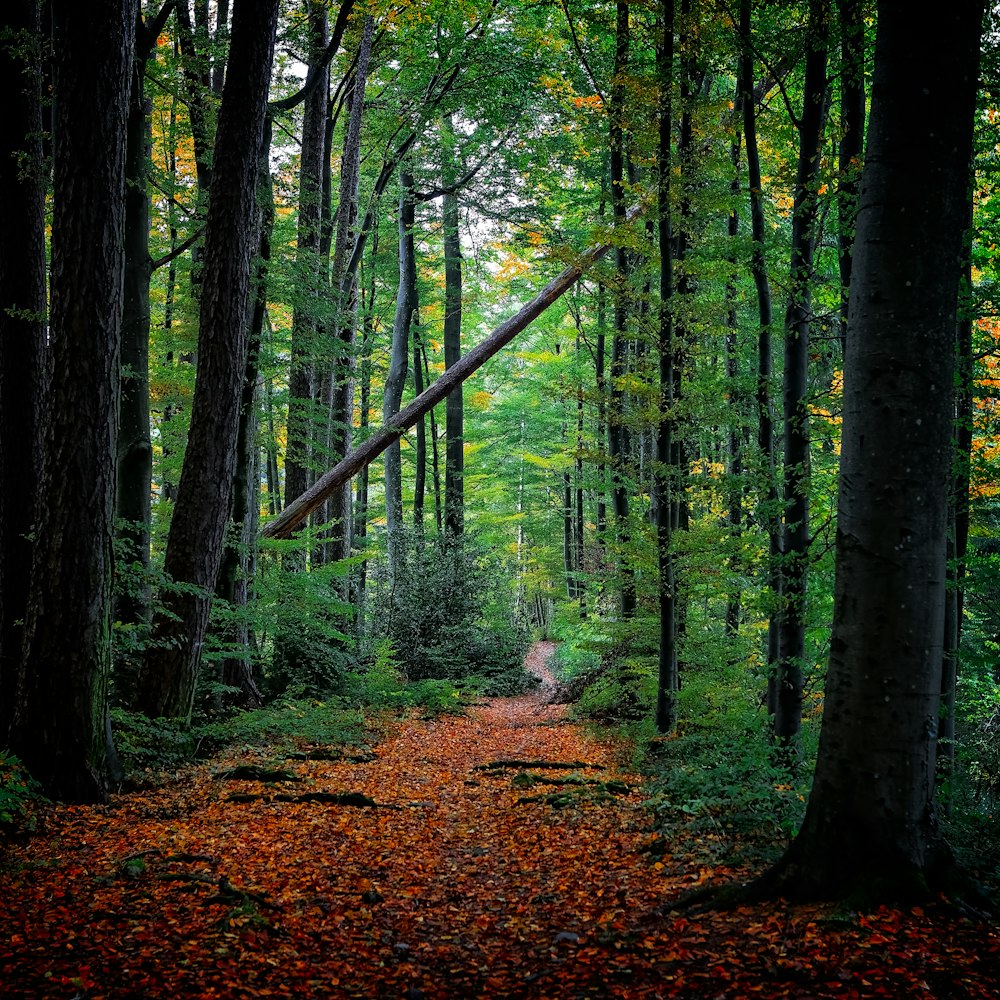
point(22, 327)
point(60, 727)
point(201, 511)
point(870, 826)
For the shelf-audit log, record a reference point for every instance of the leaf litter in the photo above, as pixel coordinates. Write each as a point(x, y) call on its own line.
point(422, 871)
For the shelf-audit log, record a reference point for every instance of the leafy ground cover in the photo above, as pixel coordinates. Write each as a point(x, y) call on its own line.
point(503, 853)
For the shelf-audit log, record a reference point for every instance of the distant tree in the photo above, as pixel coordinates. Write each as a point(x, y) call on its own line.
point(60, 727)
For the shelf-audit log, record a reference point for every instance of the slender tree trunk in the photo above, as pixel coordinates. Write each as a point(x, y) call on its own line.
point(617, 428)
point(396, 377)
point(667, 676)
point(201, 512)
point(60, 729)
point(341, 411)
point(798, 320)
point(135, 448)
point(22, 327)
point(769, 511)
point(420, 475)
point(870, 825)
point(311, 270)
point(454, 492)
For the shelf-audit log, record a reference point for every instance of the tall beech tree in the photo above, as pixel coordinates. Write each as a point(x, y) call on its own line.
point(871, 825)
point(201, 512)
point(60, 726)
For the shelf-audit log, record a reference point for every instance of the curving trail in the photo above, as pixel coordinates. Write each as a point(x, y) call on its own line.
point(450, 888)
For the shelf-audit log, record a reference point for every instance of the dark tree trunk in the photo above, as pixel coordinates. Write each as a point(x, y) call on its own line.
point(420, 474)
point(135, 448)
point(22, 326)
point(769, 513)
point(239, 559)
point(668, 678)
point(454, 469)
point(798, 320)
point(341, 376)
point(201, 512)
point(618, 449)
point(60, 729)
point(870, 825)
point(311, 274)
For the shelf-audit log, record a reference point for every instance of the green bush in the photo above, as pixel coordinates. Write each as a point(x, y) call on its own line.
point(18, 790)
point(449, 613)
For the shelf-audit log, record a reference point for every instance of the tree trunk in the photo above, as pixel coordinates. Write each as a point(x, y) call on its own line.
point(60, 728)
point(22, 327)
point(398, 357)
point(798, 319)
point(870, 825)
point(667, 675)
point(618, 449)
point(769, 510)
point(135, 448)
point(454, 467)
point(341, 408)
point(201, 511)
point(311, 270)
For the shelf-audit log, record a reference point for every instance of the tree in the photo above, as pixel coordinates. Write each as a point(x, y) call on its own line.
point(201, 512)
point(870, 824)
point(60, 726)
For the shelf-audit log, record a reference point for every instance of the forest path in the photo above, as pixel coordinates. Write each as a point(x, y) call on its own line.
point(451, 887)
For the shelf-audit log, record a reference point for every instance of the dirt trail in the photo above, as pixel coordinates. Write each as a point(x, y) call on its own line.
point(453, 887)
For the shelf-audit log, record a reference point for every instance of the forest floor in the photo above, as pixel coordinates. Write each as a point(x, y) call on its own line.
point(469, 877)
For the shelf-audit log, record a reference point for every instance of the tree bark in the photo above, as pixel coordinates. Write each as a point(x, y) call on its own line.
point(60, 728)
point(870, 824)
point(201, 511)
point(22, 327)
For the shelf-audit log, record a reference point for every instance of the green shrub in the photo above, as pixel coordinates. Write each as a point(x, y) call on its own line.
point(18, 790)
point(449, 613)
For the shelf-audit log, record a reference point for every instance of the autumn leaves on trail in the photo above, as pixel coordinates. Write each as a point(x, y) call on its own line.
point(483, 869)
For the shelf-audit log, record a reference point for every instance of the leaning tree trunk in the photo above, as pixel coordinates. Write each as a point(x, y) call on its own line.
point(60, 728)
point(22, 327)
point(201, 512)
point(870, 825)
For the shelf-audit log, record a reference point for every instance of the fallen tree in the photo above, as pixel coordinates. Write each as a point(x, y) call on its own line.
point(296, 513)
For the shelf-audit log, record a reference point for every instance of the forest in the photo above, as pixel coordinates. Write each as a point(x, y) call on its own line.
point(593, 397)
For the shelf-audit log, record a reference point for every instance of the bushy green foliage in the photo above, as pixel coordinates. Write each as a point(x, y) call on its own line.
point(17, 791)
point(304, 626)
point(449, 613)
point(719, 772)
